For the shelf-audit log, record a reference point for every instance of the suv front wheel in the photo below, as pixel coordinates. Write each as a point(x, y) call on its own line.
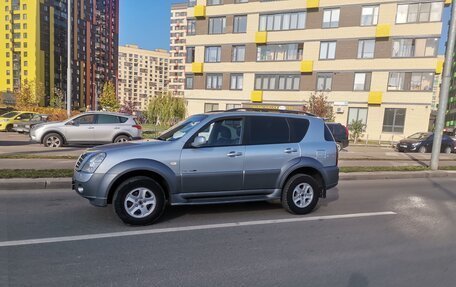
point(300, 194)
point(139, 201)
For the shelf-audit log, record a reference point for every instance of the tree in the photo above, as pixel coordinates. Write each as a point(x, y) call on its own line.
point(29, 94)
point(57, 99)
point(356, 130)
point(166, 109)
point(108, 98)
point(319, 106)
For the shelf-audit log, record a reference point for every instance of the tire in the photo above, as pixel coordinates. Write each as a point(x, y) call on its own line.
point(339, 146)
point(52, 140)
point(133, 193)
point(422, 149)
point(300, 194)
point(9, 128)
point(448, 150)
point(121, 139)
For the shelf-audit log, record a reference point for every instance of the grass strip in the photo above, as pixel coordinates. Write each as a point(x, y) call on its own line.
point(37, 156)
point(59, 173)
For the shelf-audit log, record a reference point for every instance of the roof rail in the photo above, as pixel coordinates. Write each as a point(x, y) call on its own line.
point(271, 111)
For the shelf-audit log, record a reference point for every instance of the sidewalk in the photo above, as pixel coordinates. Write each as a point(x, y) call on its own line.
point(65, 183)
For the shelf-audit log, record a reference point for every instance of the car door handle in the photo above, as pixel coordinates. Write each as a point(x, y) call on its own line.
point(91, 128)
point(290, 150)
point(234, 154)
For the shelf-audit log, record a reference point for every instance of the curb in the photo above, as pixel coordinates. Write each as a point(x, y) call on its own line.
point(65, 183)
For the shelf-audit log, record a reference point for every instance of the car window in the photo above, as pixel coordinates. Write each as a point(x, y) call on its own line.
point(299, 128)
point(85, 120)
point(268, 130)
point(124, 119)
point(107, 119)
point(181, 129)
point(227, 132)
point(328, 135)
point(9, 115)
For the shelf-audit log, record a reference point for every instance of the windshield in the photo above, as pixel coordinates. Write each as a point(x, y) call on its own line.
point(181, 129)
point(10, 115)
point(419, 136)
point(37, 118)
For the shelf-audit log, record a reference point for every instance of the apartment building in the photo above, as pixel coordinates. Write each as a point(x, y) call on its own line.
point(375, 60)
point(143, 74)
point(177, 48)
point(33, 45)
point(450, 121)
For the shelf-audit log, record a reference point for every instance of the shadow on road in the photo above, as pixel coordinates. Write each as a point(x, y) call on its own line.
point(420, 162)
point(14, 143)
point(357, 280)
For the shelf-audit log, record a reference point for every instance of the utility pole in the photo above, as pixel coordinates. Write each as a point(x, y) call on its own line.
point(444, 91)
point(69, 58)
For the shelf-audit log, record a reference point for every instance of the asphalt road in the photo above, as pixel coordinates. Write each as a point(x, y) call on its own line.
point(411, 243)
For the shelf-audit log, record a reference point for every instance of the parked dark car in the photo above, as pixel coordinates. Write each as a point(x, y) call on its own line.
point(24, 127)
point(422, 142)
point(340, 134)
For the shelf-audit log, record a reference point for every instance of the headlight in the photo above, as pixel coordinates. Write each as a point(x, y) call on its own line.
point(93, 163)
point(27, 126)
point(415, 144)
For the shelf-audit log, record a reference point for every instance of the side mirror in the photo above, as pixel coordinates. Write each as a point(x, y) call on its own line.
point(199, 141)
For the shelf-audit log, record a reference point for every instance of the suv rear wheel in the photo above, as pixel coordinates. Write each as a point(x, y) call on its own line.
point(300, 194)
point(121, 139)
point(139, 201)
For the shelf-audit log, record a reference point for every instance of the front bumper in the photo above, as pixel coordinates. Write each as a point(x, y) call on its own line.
point(407, 147)
point(94, 187)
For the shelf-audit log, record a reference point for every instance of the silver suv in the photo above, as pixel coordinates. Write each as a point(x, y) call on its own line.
point(88, 128)
point(220, 157)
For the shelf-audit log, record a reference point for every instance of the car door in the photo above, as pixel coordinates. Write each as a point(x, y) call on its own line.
point(218, 164)
point(106, 127)
point(81, 129)
point(269, 147)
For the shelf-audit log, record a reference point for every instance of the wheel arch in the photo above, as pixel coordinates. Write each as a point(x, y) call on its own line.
point(53, 132)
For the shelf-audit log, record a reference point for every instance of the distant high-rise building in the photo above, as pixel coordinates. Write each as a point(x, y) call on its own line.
point(33, 41)
point(177, 48)
point(450, 122)
point(143, 74)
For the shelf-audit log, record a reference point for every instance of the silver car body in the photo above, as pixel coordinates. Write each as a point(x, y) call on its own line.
point(104, 128)
point(214, 174)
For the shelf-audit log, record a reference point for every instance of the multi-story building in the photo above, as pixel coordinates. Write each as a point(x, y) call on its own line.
point(33, 41)
point(450, 121)
point(177, 48)
point(375, 60)
point(143, 74)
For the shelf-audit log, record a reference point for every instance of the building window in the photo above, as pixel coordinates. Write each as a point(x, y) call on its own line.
point(277, 82)
point(233, 106)
point(331, 18)
point(214, 81)
point(324, 81)
point(366, 49)
point(426, 47)
point(327, 50)
point(419, 12)
point(189, 79)
point(217, 25)
point(283, 21)
point(236, 82)
point(214, 2)
point(369, 16)
point(24, 17)
point(422, 82)
point(210, 107)
point(191, 27)
point(191, 3)
point(279, 52)
point(190, 55)
point(238, 54)
point(394, 120)
point(362, 82)
point(212, 54)
point(24, 6)
point(357, 114)
point(396, 81)
point(240, 24)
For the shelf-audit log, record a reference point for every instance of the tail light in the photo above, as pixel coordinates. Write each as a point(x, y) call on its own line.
point(137, 127)
point(346, 131)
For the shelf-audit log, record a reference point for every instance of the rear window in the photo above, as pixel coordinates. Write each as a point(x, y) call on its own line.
point(299, 128)
point(268, 130)
point(328, 135)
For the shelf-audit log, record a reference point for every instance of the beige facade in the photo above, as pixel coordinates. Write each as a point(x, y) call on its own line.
point(376, 61)
point(177, 48)
point(143, 74)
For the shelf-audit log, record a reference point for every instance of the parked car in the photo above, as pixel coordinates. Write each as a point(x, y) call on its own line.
point(9, 119)
point(24, 127)
point(87, 128)
point(218, 157)
point(340, 133)
point(422, 142)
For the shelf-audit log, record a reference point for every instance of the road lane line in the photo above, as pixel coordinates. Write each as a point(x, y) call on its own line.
point(186, 228)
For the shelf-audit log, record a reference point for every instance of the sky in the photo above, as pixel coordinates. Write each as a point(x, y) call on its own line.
point(146, 23)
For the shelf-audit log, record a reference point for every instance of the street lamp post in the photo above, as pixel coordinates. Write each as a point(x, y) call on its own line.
point(444, 91)
point(69, 58)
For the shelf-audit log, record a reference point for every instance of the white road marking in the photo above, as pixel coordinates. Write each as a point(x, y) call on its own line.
point(186, 228)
